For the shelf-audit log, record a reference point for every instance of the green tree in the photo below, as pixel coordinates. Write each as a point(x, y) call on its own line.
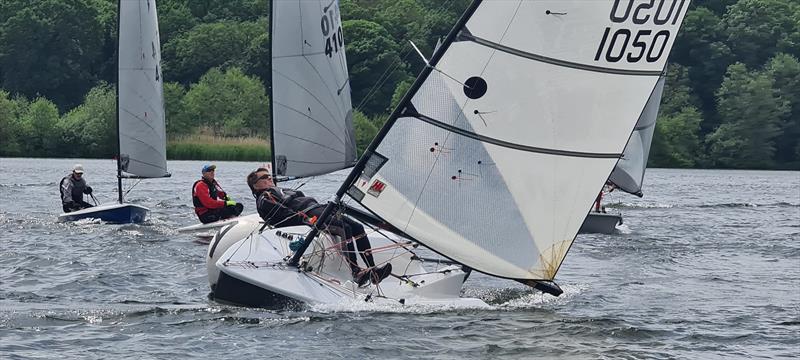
point(90, 130)
point(700, 47)
point(39, 124)
point(365, 128)
point(230, 103)
point(50, 48)
point(10, 127)
point(399, 92)
point(174, 18)
point(752, 113)
point(191, 54)
point(785, 72)
point(758, 29)
point(374, 64)
point(178, 123)
point(215, 10)
point(676, 141)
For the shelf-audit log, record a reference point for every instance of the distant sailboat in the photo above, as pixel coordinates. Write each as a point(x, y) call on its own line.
point(628, 175)
point(492, 159)
point(141, 129)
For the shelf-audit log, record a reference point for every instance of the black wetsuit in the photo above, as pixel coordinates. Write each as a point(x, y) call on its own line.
point(286, 207)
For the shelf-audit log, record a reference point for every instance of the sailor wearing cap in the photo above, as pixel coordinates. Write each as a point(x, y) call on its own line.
point(211, 203)
point(72, 187)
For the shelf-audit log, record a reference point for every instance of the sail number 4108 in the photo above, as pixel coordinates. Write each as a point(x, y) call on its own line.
point(644, 44)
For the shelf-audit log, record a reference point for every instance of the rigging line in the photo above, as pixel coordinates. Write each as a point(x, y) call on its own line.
point(511, 145)
point(319, 101)
point(335, 135)
point(395, 64)
point(131, 188)
point(311, 142)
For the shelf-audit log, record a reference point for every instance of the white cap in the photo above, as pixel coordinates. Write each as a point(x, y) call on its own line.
point(78, 168)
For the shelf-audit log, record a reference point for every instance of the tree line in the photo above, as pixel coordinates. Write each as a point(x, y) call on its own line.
point(732, 98)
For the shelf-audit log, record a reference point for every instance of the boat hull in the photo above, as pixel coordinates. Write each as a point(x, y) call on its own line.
point(112, 213)
point(600, 223)
point(216, 225)
point(248, 268)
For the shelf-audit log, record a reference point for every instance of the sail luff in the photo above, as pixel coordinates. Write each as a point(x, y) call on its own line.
point(140, 96)
point(116, 100)
point(271, 28)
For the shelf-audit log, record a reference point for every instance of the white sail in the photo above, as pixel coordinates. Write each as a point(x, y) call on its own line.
point(501, 150)
point(628, 175)
point(312, 117)
point(142, 130)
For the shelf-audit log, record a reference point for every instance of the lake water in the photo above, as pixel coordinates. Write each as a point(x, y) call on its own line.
point(707, 266)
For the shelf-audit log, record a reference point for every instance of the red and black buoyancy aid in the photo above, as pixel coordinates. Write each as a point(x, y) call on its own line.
point(214, 191)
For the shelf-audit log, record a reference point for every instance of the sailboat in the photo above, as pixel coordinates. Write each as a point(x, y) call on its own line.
point(141, 129)
point(491, 159)
point(312, 115)
point(628, 175)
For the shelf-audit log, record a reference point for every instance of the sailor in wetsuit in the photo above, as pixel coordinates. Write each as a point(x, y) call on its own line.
point(72, 187)
point(286, 207)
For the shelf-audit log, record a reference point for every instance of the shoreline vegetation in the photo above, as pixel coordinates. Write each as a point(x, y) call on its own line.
point(208, 147)
point(731, 101)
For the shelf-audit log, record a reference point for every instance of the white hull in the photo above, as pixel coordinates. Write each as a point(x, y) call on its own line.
point(248, 268)
point(212, 227)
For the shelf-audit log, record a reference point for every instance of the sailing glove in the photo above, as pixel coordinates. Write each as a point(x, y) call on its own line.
point(230, 203)
point(88, 190)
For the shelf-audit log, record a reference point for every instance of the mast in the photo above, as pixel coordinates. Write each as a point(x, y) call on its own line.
point(269, 91)
point(119, 145)
point(405, 102)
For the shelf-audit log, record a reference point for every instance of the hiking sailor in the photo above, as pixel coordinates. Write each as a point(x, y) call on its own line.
point(281, 207)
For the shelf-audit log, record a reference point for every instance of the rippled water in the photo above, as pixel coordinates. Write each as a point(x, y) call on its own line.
point(707, 265)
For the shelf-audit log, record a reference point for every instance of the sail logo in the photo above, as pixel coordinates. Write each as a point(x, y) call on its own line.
point(376, 188)
point(331, 27)
point(647, 44)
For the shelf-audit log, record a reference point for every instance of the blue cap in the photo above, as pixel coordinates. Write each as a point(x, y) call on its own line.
point(209, 167)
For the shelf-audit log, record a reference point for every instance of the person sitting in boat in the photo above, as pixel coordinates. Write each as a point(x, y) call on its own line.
point(211, 203)
point(72, 187)
point(281, 207)
point(607, 188)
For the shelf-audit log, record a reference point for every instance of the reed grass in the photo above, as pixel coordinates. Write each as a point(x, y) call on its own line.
point(209, 147)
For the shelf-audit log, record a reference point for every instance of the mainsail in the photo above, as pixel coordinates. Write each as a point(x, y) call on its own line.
point(497, 152)
point(312, 116)
point(141, 126)
point(628, 175)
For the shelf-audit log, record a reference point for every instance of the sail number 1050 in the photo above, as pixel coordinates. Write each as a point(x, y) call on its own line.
point(644, 44)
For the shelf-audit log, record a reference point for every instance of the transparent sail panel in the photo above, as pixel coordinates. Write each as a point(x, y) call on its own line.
point(311, 111)
point(628, 175)
point(142, 130)
point(501, 151)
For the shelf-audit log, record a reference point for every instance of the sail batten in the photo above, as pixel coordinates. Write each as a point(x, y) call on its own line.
point(312, 115)
point(141, 124)
point(494, 160)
